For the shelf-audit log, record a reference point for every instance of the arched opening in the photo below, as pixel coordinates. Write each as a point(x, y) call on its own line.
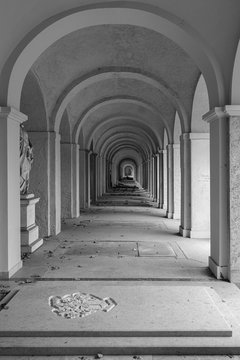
point(114, 107)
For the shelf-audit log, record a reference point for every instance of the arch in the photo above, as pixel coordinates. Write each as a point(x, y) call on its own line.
point(165, 139)
point(121, 129)
point(123, 168)
point(200, 107)
point(65, 128)
point(127, 13)
point(177, 129)
point(107, 73)
point(116, 140)
point(235, 91)
point(116, 100)
point(33, 104)
point(155, 138)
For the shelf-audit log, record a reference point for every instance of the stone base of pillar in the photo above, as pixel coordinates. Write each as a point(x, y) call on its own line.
point(200, 234)
point(30, 241)
point(169, 215)
point(184, 232)
point(220, 272)
point(11, 272)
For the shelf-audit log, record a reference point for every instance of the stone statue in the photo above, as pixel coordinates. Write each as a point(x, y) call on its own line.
point(26, 159)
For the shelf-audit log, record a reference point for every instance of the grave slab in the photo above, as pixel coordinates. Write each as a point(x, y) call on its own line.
point(165, 311)
point(156, 249)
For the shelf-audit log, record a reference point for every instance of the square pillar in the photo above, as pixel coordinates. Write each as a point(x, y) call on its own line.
point(10, 242)
point(93, 177)
point(84, 177)
point(55, 183)
point(219, 192)
point(75, 174)
point(195, 185)
point(165, 182)
point(200, 186)
point(170, 181)
point(161, 180)
point(69, 180)
point(185, 151)
point(176, 182)
point(66, 181)
point(158, 179)
point(233, 112)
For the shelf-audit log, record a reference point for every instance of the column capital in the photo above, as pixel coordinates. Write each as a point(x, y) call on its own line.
point(85, 150)
point(233, 110)
point(176, 146)
point(12, 114)
point(217, 113)
point(194, 136)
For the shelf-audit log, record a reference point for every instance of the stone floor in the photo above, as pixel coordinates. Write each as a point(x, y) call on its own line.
point(117, 242)
point(122, 241)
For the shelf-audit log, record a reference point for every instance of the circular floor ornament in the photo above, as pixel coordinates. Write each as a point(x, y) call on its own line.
point(78, 304)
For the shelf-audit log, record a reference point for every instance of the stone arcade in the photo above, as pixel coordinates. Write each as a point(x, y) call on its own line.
point(127, 103)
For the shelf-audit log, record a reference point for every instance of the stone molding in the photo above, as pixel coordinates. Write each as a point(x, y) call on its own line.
point(12, 114)
point(215, 114)
point(220, 272)
point(176, 146)
point(194, 136)
point(233, 110)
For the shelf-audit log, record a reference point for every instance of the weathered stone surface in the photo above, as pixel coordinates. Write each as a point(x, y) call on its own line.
point(234, 170)
point(167, 310)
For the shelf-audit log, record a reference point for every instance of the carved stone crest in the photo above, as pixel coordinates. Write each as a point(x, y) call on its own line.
point(78, 304)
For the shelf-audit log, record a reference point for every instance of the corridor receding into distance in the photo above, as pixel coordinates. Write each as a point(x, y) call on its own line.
point(123, 237)
point(119, 181)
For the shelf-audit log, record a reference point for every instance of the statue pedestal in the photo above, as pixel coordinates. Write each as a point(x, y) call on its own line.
point(29, 230)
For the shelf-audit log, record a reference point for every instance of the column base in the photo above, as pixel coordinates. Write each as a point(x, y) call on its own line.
point(220, 272)
point(184, 232)
point(200, 234)
point(12, 271)
point(169, 215)
point(31, 247)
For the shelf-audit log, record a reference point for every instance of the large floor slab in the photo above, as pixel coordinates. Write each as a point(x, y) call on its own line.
point(164, 311)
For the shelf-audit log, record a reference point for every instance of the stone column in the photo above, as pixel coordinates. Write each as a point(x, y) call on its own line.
point(161, 180)
point(69, 180)
point(185, 150)
point(158, 179)
point(195, 222)
point(66, 181)
point(45, 181)
point(104, 188)
point(219, 187)
point(93, 178)
point(150, 170)
point(84, 177)
point(76, 204)
point(40, 179)
point(200, 185)
point(176, 181)
point(165, 183)
point(10, 243)
point(55, 183)
point(234, 195)
point(170, 205)
point(153, 178)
